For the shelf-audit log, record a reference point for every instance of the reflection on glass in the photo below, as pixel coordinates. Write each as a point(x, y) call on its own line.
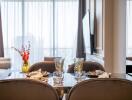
point(58, 77)
point(80, 76)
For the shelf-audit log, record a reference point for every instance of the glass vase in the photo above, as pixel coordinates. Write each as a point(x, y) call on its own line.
point(25, 66)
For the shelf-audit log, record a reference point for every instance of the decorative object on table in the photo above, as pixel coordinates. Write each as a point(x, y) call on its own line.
point(59, 64)
point(24, 52)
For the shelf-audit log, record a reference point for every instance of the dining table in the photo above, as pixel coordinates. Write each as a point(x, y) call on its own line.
point(69, 79)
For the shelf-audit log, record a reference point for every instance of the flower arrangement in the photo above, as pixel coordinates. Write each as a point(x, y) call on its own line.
point(24, 52)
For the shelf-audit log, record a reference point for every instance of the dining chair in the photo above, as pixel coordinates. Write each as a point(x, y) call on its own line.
point(87, 66)
point(129, 58)
point(55, 59)
point(5, 63)
point(50, 58)
point(48, 66)
point(25, 89)
point(102, 89)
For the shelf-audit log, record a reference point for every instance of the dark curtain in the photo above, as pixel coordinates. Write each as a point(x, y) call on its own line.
point(1, 37)
point(80, 52)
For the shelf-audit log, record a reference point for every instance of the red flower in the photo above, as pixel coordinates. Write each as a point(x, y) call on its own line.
point(24, 52)
point(25, 56)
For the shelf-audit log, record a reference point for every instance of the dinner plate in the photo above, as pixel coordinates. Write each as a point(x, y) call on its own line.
point(92, 75)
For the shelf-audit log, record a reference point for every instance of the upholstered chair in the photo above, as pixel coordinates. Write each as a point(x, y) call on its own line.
point(129, 58)
point(50, 58)
point(25, 89)
point(102, 89)
point(87, 66)
point(48, 66)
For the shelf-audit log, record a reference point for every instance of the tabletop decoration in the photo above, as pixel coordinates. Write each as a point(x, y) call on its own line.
point(24, 53)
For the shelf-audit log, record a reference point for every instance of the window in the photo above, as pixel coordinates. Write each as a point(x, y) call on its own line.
point(129, 28)
point(49, 25)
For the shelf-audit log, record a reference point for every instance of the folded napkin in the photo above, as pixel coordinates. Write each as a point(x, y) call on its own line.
point(104, 75)
point(38, 75)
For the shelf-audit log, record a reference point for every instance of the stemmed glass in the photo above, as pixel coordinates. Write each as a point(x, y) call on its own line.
point(78, 69)
point(78, 65)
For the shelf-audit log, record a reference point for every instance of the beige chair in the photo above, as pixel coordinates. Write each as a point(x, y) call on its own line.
point(46, 59)
point(87, 66)
point(129, 58)
point(5, 63)
point(102, 89)
point(24, 89)
point(45, 66)
point(50, 58)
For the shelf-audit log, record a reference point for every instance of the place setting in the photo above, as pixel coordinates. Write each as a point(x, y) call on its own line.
point(98, 74)
point(38, 75)
point(80, 74)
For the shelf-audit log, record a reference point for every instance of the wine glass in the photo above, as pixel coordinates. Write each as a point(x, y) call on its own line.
point(78, 65)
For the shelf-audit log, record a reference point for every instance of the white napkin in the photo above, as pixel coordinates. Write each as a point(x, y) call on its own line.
point(38, 74)
point(104, 75)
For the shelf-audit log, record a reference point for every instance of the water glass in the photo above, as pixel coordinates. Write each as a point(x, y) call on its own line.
point(58, 77)
point(59, 64)
point(80, 76)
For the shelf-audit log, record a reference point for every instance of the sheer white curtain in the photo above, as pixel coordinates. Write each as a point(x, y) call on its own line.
point(49, 25)
point(129, 28)
point(66, 22)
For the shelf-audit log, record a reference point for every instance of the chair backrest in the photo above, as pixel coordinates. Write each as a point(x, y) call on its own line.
point(129, 58)
point(5, 63)
point(50, 58)
point(102, 89)
point(87, 66)
point(48, 66)
point(24, 89)
point(54, 59)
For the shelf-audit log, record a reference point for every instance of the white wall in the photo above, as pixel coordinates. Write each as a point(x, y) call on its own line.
point(108, 34)
point(114, 28)
point(119, 36)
